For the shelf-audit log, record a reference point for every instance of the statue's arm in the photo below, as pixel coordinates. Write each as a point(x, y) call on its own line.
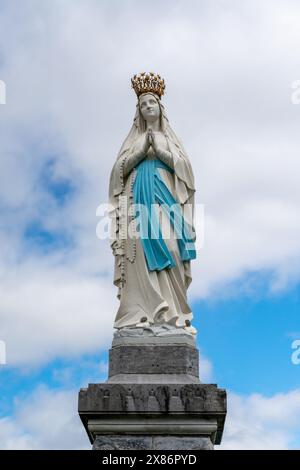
point(132, 161)
point(166, 157)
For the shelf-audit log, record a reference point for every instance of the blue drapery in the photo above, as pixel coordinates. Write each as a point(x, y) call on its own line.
point(150, 189)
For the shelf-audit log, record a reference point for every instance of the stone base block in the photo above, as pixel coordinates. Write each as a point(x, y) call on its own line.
point(153, 415)
point(153, 398)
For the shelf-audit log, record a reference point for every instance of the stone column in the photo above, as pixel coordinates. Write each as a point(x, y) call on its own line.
point(153, 398)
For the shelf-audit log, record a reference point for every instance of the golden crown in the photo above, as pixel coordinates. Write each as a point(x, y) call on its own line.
point(146, 82)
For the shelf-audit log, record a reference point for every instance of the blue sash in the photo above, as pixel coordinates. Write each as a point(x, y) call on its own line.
point(150, 189)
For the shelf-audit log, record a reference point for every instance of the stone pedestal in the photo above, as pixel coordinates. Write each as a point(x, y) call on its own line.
point(153, 398)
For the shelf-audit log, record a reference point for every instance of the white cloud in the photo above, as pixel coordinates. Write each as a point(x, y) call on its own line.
point(205, 369)
point(259, 422)
point(45, 420)
point(67, 66)
point(52, 313)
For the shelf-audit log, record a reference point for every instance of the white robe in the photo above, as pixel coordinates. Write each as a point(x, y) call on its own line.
point(158, 296)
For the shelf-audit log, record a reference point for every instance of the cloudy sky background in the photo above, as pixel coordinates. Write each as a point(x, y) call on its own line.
point(229, 67)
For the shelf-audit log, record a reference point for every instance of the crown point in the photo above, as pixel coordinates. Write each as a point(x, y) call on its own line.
point(148, 82)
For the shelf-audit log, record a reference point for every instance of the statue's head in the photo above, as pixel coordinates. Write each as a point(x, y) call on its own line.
point(149, 107)
point(149, 88)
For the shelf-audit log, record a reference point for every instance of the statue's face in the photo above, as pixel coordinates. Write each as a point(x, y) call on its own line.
point(149, 108)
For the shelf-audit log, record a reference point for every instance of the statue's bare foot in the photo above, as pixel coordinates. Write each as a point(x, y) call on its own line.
point(189, 328)
point(143, 323)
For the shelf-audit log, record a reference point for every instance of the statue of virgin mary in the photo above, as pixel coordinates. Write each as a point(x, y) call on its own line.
point(151, 195)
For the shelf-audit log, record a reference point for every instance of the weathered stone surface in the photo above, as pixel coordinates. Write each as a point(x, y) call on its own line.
point(154, 359)
point(153, 399)
point(135, 442)
point(122, 443)
point(142, 398)
point(187, 405)
point(182, 443)
point(154, 379)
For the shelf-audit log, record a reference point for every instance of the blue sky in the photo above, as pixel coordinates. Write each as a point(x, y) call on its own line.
point(253, 338)
point(229, 76)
